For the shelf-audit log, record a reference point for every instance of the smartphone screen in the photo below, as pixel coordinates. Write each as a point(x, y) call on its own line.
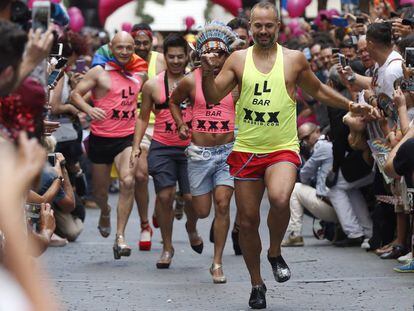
point(57, 50)
point(80, 65)
point(360, 20)
point(342, 60)
point(51, 158)
point(307, 53)
point(41, 15)
point(409, 57)
point(54, 75)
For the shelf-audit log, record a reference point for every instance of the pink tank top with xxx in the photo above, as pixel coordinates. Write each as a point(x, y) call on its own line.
point(212, 118)
point(165, 129)
point(119, 104)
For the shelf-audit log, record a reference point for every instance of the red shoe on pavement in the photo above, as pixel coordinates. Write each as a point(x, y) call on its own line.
point(145, 238)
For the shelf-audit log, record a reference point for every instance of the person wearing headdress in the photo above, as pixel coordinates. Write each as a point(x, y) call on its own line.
point(212, 139)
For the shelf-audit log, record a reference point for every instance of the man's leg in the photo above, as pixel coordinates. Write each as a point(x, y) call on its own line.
point(166, 216)
point(101, 179)
point(126, 189)
point(222, 196)
point(279, 180)
point(296, 211)
point(248, 196)
point(141, 186)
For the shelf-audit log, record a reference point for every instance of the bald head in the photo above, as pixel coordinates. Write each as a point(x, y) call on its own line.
point(305, 129)
point(122, 46)
point(264, 5)
point(122, 36)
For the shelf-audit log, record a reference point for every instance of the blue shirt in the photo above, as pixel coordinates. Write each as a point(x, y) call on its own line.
point(318, 166)
point(46, 180)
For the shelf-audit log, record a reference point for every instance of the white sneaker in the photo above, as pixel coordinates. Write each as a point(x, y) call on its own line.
point(365, 244)
point(406, 258)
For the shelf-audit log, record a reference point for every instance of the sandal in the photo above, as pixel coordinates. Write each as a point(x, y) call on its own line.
point(385, 249)
point(217, 279)
point(165, 260)
point(105, 231)
point(120, 247)
point(194, 238)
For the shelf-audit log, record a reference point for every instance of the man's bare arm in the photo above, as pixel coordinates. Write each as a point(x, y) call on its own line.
point(88, 83)
point(181, 92)
point(215, 89)
point(144, 115)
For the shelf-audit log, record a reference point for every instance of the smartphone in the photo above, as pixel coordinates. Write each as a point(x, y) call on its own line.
point(307, 53)
point(354, 40)
point(51, 158)
point(80, 65)
point(335, 50)
point(53, 78)
point(360, 20)
point(340, 22)
point(409, 57)
point(41, 15)
point(32, 211)
point(342, 60)
point(57, 50)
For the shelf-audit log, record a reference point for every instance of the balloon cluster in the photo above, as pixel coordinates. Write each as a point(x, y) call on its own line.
point(76, 19)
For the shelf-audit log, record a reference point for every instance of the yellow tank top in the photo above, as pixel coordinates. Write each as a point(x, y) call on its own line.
point(266, 114)
point(152, 72)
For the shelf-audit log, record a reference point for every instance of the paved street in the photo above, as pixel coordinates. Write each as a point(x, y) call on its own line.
point(87, 277)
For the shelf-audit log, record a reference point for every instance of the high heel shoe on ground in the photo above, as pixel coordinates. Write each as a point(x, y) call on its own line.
point(120, 248)
point(217, 279)
point(145, 237)
point(194, 238)
point(165, 260)
point(105, 231)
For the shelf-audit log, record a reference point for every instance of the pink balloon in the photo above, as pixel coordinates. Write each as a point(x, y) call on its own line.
point(107, 7)
point(233, 6)
point(403, 2)
point(189, 22)
point(307, 2)
point(296, 8)
point(126, 27)
point(77, 21)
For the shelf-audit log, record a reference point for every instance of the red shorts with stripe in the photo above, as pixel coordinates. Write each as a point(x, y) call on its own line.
point(252, 166)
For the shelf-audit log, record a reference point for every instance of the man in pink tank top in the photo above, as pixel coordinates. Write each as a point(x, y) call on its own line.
point(211, 143)
point(167, 163)
point(114, 96)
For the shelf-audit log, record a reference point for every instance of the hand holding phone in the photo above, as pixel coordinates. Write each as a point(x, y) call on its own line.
point(80, 66)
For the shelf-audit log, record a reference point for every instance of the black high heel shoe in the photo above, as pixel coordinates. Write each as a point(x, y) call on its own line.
point(235, 239)
point(258, 297)
point(120, 248)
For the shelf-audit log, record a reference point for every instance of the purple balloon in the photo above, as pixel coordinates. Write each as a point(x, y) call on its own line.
point(296, 8)
point(77, 21)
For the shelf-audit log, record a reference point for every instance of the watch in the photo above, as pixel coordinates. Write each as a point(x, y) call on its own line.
point(61, 179)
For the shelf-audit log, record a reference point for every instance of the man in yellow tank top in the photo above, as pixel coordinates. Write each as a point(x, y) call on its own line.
point(265, 154)
point(142, 35)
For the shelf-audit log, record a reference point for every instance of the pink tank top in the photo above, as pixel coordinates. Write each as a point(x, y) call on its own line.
point(120, 104)
point(212, 118)
point(165, 129)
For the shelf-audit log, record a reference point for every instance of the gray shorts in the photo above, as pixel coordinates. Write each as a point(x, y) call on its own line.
point(167, 165)
point(207, 168)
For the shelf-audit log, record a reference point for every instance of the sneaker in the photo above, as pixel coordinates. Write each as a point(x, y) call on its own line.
point(365, 244)
point(406, 258)
point(57, 241)
point(407, 268)
point(293, 240)
point(257, 298)
point(145, 238)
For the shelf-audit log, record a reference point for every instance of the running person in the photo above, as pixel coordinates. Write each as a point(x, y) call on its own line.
point(142, 34)
point(265, 153)
point(114, 93)
point(166, 159)
point(212, 140)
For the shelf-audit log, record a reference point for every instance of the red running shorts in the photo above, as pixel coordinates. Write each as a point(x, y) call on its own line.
point(252, 166)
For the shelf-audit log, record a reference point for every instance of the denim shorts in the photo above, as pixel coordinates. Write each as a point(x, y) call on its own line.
point(207, 168)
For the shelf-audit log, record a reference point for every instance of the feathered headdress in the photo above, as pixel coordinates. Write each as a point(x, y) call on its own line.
point(217, 36)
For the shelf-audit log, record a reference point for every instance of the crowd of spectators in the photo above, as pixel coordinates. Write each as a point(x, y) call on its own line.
point(356, 180)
